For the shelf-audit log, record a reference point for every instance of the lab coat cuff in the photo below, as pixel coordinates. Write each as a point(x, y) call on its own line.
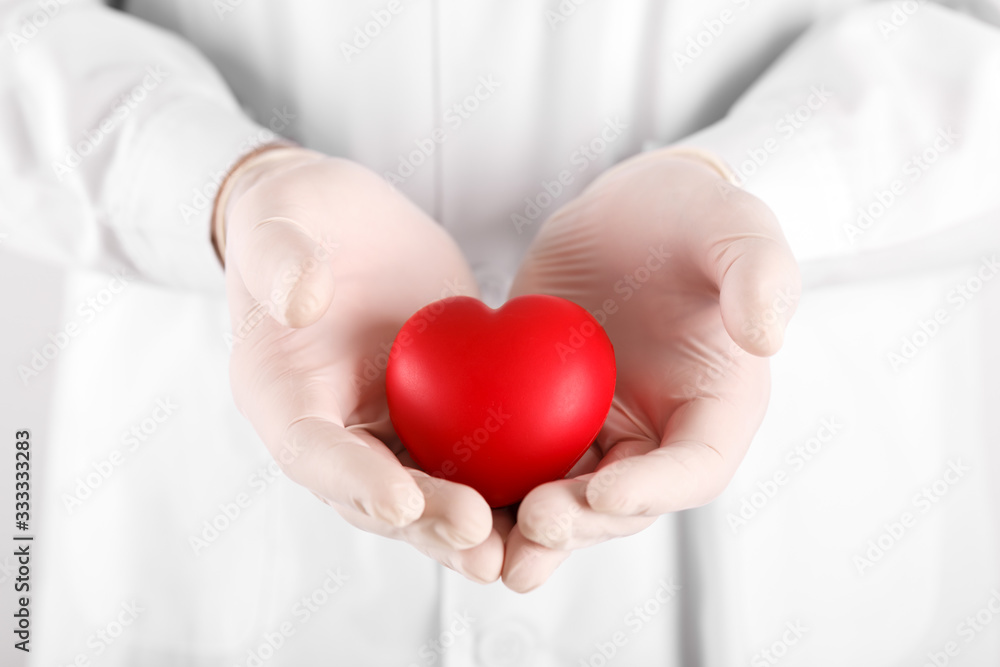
point(163, 186)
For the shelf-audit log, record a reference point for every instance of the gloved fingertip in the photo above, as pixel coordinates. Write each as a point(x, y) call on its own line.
point(774, 340)
point(307, 299)
point(523, 586)
point(545, 537)
point(760, 341)
point(460, 537)
point(474, 576)
point(759, 289)
point(756, 319)
point(610, 499)
point(522, 579)
point(402, 508)
point(301, 311)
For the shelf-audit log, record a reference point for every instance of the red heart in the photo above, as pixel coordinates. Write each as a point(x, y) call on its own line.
point(501, 400)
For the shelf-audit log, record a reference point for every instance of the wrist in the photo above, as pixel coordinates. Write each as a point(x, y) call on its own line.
point(244, 174)
point(702, 156)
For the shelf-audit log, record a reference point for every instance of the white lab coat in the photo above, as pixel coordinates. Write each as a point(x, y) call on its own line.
point(870, 129)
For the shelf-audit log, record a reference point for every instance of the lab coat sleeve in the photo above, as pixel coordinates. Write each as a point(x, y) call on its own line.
point(115, 136)
point(875, 129)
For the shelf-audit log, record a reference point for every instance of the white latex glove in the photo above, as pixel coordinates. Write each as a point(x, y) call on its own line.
point(324, 263)
point(688, 398)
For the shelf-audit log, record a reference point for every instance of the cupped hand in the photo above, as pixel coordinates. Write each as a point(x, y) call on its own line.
point(694, 283)
point(324, 263)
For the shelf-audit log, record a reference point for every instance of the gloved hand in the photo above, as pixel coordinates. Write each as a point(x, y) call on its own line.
point(324, 262)
point(694, 283)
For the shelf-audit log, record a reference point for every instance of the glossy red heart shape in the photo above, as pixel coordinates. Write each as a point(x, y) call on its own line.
point(501, 400)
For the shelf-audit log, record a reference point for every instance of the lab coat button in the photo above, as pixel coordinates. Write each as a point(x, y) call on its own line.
point(510, 643)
